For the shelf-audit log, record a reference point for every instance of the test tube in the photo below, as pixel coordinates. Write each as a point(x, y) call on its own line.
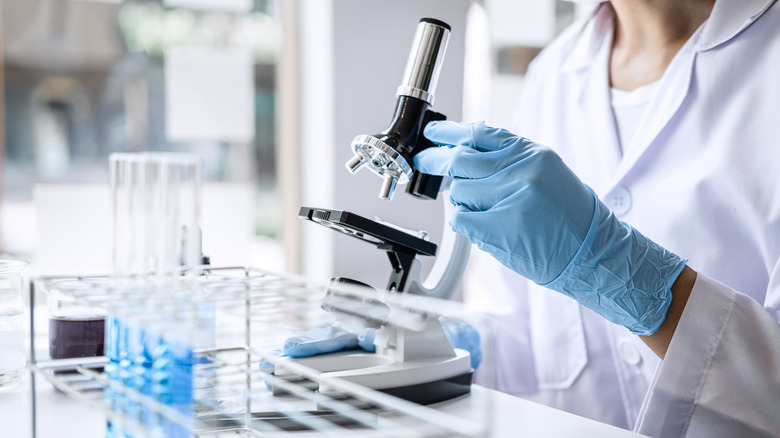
point(156, 251)
point(156, 210)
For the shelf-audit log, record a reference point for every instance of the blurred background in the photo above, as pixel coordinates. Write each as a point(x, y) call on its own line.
point(268, 92)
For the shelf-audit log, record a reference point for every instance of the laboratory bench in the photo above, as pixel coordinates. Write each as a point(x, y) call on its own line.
point(62, 417)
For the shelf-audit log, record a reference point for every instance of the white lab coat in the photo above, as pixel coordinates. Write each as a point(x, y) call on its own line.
point(702, 178)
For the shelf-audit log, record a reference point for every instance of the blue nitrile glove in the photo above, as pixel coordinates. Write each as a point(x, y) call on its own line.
point(464, 336)
point(519, 202)
point(330, 338)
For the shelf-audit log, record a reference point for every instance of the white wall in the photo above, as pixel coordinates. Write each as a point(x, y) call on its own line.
point(353, 56)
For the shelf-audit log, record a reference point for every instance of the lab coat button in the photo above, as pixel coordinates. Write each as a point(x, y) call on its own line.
point(628, 352)
point(619, 201)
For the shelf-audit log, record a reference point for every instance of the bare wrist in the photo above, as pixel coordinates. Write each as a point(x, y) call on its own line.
point(681, 290)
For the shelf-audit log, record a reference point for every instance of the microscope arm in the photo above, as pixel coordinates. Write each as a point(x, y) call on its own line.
point(447, 272)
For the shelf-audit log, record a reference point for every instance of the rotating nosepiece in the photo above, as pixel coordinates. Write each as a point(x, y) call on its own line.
point(383, 160)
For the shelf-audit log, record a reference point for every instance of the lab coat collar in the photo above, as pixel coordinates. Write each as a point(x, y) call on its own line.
point(594, 101)
point(676, 83)
point(592, 32)
point(728, 18)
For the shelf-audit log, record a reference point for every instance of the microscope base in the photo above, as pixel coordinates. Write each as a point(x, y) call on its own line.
point(426, 381)
point(434, 392)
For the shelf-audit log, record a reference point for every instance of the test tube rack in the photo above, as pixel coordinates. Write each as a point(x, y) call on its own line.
point(251, 312)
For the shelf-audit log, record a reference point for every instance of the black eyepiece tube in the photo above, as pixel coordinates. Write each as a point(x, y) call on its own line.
point(436, 22)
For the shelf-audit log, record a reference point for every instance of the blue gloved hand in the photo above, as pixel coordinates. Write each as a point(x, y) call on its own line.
point(464, 336)
point(330, 337)
point(519, 202)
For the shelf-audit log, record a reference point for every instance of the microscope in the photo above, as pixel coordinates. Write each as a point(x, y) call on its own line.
point(414, 359)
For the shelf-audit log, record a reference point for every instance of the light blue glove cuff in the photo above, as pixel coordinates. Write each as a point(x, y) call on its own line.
point(621, 274)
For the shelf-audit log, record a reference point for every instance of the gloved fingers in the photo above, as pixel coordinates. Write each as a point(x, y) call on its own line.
point(443, 161)
point(464, 336)
point(537, 250)
point(467, 222)
point(485, 193)
point(268, 368)
point(465, 162)
point(366, 339)
point(324, 338)
point(486, 227)
point(477, 135)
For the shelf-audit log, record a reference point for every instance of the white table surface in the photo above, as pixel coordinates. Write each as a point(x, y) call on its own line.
point(60, 416)
point(63, 417)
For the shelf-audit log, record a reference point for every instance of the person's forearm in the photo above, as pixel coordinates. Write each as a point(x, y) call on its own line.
point(681, 290)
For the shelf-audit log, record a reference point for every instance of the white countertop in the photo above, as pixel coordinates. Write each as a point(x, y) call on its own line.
point(517, 417)
point(63, 417)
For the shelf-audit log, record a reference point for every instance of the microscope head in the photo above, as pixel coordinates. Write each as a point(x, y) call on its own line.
point(389, 154)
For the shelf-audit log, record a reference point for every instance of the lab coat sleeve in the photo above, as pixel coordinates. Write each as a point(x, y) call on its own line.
point(721, 374)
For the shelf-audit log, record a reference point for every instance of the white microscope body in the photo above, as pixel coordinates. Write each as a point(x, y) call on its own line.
point(414, 358)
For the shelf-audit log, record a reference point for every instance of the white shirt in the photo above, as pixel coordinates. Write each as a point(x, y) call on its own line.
point(701, 178)
point(629, 107)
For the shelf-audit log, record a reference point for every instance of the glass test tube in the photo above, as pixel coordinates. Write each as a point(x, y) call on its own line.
point(156, 201)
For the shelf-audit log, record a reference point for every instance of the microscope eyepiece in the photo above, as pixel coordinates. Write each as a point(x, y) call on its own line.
point(389, 154)
point(436, 22)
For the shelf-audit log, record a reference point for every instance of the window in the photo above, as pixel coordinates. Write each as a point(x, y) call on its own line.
point(83, 79)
